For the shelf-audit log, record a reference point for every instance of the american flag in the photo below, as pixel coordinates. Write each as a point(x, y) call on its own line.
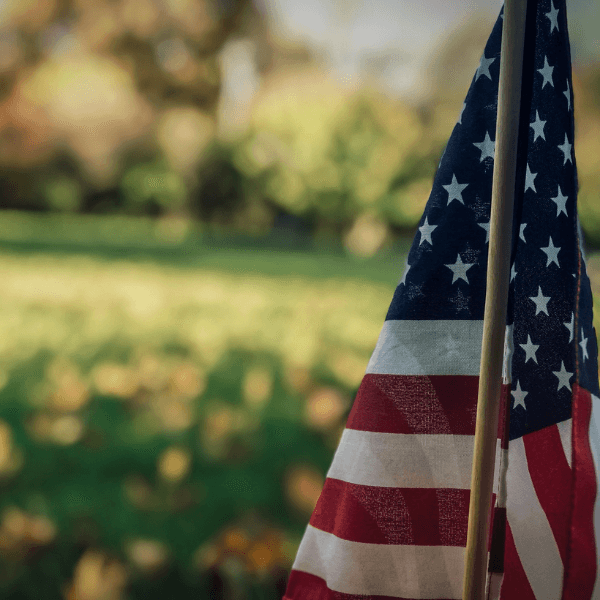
point(391, 521)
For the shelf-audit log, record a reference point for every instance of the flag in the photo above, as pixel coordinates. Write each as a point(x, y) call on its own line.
point(391, 520)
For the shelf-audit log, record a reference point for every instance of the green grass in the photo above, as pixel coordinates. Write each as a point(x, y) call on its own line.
point(171, 401)
point(190, 245)
point(120, 352)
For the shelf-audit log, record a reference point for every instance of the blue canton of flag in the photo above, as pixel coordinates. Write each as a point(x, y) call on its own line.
point(391, 521)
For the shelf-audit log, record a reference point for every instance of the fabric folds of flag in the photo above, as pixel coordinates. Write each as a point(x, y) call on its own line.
point(391, 521)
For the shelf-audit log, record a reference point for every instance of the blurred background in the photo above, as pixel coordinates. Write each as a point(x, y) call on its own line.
point(206, 206)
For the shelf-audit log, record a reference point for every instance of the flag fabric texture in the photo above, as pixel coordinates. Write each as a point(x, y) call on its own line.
point(391, 520)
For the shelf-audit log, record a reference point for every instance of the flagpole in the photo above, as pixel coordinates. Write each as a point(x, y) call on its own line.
point(494, 322)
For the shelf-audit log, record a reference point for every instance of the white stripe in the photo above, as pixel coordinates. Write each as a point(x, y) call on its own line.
point(531, 531)
point(595, 445)
point(509, 348)
point(565, 431)
point(501, 470)
point(405, 460)
point(381, 569)
point(428, 348)
point(494, 586)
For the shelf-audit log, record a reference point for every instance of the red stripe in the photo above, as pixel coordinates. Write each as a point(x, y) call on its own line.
point(552, 478)
point(416, 404)
point(304, 586)
point(582, 561)
point(382, 515)
point(515, 585)
point(498, 541)
point(491, 517)
point(504, 416)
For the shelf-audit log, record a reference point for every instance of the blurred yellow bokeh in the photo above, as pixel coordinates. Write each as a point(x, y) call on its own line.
point(174, 464)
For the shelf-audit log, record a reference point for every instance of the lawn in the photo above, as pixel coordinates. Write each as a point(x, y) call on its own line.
point(167, 416)
point(170, 403)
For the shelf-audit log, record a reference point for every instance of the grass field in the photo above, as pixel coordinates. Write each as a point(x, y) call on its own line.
point(169, 407)
point(168, 414)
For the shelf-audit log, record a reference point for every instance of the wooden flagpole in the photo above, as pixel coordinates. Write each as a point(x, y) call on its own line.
point(494, 322)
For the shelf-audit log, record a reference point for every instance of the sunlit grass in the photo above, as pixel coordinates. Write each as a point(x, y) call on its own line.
point(179, 416)
point(73, 305)
point(166, 417)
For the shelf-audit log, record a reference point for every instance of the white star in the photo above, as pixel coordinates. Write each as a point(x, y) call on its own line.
point(563, 377)
point(455, 189)
point(570, 326)
point(583, 344)
point(553, 16)
point(538, 127)
point(452, 346)
point(406, 270)
point(426, 230)
point(529, 179)
point(460, 301)
point(484, 67)
point(541, 302)
point(485, 226)
point(459, 269)
point(561, 202)
point(519, 396)
point(567, 94)
point(508, 352)
point(462, 110)
point(530, 350)
point(566, 148)
point(513, 272)
point(552, 251)
point(414, 290)
point(522, 232)
point(546, 73)
point(487, 147)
